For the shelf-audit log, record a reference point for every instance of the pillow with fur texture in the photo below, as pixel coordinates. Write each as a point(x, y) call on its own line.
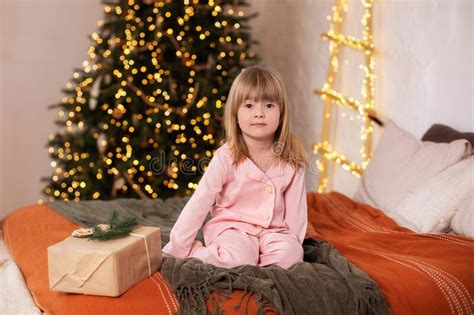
point(431, 207)
point(463, 221)
point(401, 163)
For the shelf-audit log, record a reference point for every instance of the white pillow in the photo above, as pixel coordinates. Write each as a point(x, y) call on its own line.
point(463, 221)
point(401, 163)
point(431, 206)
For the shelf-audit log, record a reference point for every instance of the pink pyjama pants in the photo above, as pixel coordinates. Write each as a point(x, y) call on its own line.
point(233, 248)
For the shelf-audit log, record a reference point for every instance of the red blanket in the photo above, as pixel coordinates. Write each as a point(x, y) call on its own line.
point(418, 273)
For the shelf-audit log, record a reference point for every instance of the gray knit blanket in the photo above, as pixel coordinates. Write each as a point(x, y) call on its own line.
point(325, 283)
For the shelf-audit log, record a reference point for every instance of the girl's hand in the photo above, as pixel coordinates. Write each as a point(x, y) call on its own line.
point(196, 244)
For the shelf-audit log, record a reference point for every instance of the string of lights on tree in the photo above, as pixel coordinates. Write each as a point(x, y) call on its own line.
point(145, 110)
point(330, 96)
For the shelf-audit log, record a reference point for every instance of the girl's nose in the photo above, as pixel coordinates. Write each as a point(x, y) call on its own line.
point(258, 113)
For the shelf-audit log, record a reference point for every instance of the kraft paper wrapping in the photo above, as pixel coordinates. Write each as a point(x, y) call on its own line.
point(108, 268)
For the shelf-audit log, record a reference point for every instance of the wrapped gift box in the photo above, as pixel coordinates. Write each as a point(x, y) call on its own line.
point(108, 268)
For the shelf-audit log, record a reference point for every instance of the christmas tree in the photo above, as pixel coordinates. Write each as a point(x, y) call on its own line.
point(143, 115)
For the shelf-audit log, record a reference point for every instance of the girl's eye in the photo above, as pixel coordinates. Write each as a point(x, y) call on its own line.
point(248, 105)
point(270, 105)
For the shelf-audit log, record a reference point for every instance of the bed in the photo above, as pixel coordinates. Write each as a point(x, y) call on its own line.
point(418, 272)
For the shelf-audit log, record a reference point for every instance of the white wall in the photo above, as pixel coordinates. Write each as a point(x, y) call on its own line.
point(41, 42)
point(423, 64)
point(426, 67)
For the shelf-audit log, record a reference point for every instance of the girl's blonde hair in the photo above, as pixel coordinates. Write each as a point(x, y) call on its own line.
point(261, 83)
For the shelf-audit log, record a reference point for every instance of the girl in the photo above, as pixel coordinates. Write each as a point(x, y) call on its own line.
point(254, 185)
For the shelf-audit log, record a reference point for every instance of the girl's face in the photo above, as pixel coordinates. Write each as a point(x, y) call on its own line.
point(258, 120)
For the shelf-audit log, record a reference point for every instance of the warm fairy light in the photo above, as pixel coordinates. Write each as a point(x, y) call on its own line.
point(331, 96)
point(330, 154)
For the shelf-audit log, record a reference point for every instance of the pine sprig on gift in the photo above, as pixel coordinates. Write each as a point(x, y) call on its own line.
point(114, 228)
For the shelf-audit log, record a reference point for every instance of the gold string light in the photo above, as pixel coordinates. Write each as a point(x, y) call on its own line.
point(331, 96)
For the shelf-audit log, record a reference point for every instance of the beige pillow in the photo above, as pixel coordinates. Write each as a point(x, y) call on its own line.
point(401, 163)
point(463, 221)
point(430, 207)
